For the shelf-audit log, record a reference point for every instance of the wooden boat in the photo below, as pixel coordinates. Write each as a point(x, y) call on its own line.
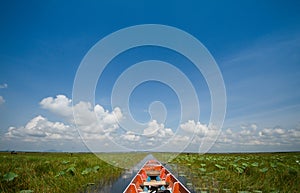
point(153, 177)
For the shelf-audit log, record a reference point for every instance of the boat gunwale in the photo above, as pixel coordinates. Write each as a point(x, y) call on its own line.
point(131, 182)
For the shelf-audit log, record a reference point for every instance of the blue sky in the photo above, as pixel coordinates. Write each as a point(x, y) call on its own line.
point(255, 44)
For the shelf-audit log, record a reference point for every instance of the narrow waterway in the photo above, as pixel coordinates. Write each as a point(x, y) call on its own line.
point(122, 182)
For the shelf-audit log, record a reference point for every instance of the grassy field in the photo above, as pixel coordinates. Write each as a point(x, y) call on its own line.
point(84, 172)
point(58, 172)
point(263, 172)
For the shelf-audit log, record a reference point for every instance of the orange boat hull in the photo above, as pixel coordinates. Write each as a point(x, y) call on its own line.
point(154, 177)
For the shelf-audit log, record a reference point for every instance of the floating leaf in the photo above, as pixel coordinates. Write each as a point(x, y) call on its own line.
point(65, 162)
point(239, 170)
point(10, 176)
point(61, 173)
point(26, 191)
point(71, 170)
point(263, 170)
point(219, 166)
point(202, 169)
point(255, 164)
point(86, 171)
point(96, 168)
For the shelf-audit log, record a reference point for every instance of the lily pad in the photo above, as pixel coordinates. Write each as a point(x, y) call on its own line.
point(10, 176)
point(61, 173)
point(71, 170)
point(263, 170)
point(96, 168)
point(65, 162)
point(255, 164)
point(239, 170)
point(26, 191)
point(202, 169)
point(219, 166)
point(86, 171)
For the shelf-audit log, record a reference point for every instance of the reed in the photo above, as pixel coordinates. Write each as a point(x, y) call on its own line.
point(58, 172)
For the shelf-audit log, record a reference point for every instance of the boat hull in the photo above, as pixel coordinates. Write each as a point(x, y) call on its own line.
point(155, 178)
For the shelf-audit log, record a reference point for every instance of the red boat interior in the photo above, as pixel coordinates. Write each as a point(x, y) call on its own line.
point(155, 178)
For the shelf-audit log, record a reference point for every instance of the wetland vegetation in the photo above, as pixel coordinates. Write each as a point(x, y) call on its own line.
point(85, 172)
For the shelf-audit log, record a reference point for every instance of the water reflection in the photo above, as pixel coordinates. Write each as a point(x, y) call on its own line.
point(122, 182)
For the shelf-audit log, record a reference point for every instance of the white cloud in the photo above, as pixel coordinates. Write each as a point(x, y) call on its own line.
point(97, 126)
point(60, 105)
point(130, 136)
point(199, 129)
point(254, 126)
point(271, 132)
point(3, 85)
point(88, 119)
point(2, 100)
point(253, 136)
point(157, 130)
point(91, 122)
point(96, 121)
point(180, 140)
point(40, 129)
point(154, 135)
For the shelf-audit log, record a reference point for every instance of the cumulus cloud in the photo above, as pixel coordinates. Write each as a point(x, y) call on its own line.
point(201, 131)
point(153, 135)
point(2, 100)
point(130, 136)
point(99, 128)
point(192, 127)
point(3, 85)
point(253, 135)
point(39, 128)
point(246, 137)
point(157, 130)
point(204, 136)
point(94, 124)
point(60, 105)
point(91, 122)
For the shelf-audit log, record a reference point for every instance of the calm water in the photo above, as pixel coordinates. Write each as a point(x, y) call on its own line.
point(122, 182)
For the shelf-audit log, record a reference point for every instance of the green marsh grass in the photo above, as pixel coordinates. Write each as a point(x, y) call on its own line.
point(85, 172)
point(261, 172)
point(59, 172)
